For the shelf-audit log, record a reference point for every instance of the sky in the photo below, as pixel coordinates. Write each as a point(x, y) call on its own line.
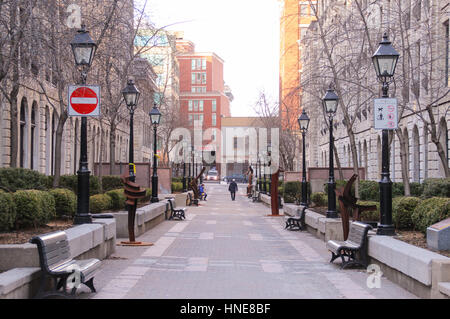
point(244, 33)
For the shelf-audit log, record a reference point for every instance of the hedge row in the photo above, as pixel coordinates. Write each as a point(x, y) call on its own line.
point(177, 186)
point(14, 179)
point(292, 191)
point(26, 208)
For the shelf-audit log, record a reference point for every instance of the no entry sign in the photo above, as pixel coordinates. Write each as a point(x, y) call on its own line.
point(84, 100)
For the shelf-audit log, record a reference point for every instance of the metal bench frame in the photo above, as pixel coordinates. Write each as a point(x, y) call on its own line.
point(176, 213)
point(353, 251)
point(56, 264)
point(191, 201)
point(296, 222)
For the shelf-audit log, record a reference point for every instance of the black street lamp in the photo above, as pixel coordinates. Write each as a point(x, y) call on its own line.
point(185, 147)
point(385, 61)
point(131, 96)
point(330, 103)
point(269, 165)
point(303, 122)
point(83, 48)
point(155, 117)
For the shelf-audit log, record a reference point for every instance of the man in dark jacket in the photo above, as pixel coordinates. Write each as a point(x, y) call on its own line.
point(233, 188)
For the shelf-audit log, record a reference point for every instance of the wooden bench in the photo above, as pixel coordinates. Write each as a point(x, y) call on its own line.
point(296, 222)
point(353, 251)
point(56, 264)
point(178, 213)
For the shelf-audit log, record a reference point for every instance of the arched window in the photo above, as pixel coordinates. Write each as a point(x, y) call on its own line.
point(443, 139)
point(365, 158)
point(23, 132)
point(350, 162)
point(54, 126)
point(48, 142)
point(34, 138)
point(415, 155)
point(407, 155)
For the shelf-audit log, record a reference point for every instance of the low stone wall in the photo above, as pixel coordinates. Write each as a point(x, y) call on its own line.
point(265, 199)
point(21, 280)
point(146, 218)
point(420, 271)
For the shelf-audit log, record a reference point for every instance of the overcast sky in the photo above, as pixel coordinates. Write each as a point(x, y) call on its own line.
point(245, 33)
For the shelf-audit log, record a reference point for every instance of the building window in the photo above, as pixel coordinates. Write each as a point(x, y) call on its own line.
point(195, 105)
point(193, 77)
point(190, 105)
point(203, 64)
point(33, 133)
point(214, 105)
point(23, 131)
point(214, 120)
point(190, 119)
point(200, 106)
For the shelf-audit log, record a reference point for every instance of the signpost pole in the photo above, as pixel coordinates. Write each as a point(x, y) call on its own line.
point(83, 216)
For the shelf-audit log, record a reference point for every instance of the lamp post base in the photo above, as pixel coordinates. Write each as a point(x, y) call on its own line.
point(82, 219)
point(332, 214)
point(154, 200)
point(386, 230)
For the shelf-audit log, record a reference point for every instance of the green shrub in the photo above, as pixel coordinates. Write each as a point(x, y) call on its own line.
point(65, 201)
point(370, 216)
point(369, 191)
point(398, 189)
point(34, 208)
point(13, 179)
point(7, 211)
point(177, 187)
point(292, 192)
point(148, 196)
point(402, 210)
point(177, 179)
point(430, 211)
point(319, 199)
point(436, 187)
point(71, 182)
point(99, 203)
point(111, 182)
point(118, 198)
point(416, 189)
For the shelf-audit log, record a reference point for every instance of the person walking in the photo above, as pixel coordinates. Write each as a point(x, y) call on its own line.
point(202, 192)
point(233, 188)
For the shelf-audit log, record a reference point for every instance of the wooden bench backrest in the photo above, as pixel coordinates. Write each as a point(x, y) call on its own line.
point(171, 204)
point(358, 232)
point(53, 249)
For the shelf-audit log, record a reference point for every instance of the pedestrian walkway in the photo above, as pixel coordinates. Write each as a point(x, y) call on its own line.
point(231, 249)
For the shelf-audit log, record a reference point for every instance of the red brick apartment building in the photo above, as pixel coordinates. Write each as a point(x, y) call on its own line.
point(202, 90)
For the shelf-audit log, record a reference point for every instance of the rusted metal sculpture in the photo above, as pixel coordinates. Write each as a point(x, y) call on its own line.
point(133, 192)
point(274, 200)
point(194, 187)
point(250, 182)
point(347, 202)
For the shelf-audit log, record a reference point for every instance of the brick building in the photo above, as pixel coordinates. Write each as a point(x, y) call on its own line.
point(204, 99)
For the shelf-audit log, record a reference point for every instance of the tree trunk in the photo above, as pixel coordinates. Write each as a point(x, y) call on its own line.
point(338, 162)
point(58, 148)
point(14, 140)
point(405, 164)
point(112, 149)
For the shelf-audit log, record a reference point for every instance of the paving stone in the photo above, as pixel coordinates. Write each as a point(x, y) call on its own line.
point(232, 249)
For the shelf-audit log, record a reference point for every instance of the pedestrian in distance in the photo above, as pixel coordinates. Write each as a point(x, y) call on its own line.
point(233, 188)
point(202, 192)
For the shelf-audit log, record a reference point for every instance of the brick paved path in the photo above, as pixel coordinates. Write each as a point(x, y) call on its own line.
point(227, 249)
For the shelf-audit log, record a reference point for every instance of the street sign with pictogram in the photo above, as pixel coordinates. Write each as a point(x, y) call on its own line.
point(84, 100)
point(385, 113)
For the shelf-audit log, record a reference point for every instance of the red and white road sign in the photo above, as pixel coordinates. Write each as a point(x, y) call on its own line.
point(84, 100)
